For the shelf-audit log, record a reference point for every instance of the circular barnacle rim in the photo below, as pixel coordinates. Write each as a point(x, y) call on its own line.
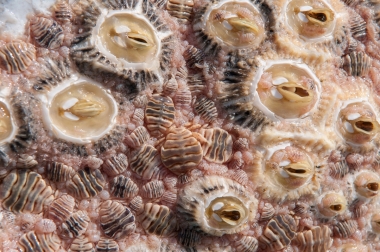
point(367, 184)
point(332, 204)
point(134, 42)
point(238, 30)
point(293, 94)
point(282, 177)
point(8, 127)
point(71, 110)
point(312, 21)
point(354, 128)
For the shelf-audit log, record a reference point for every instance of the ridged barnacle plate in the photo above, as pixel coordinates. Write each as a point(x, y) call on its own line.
point(309, 29)
point(357, 122)
point(288, 172)
point(216, 205)
point(285, 89)
point(79, 110)
point(229, 24)
point(123, 38)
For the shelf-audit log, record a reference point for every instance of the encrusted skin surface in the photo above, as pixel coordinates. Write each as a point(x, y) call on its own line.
point(216, 144)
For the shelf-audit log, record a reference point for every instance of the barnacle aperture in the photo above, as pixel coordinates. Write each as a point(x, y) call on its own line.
point(310, 20)
point(332, 204)
point(6, 125)
point(129, 37)
point(288, 170)
point(225, 212)
point(367, 184)
point(357, 123)
point(287, 90)
point(236, 24)
point(81, 112)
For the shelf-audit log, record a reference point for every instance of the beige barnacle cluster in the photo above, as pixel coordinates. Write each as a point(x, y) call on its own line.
point(287, 89)
point(367, 184)
point(130, 42)
point(216, 205)
point(357, 122)
point(332, 204)
point(289, 172)
point(79, 110)
point(230, 24)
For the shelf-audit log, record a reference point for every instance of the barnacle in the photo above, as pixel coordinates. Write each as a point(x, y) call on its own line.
point(216, 206)
point(230, 24)
point(357, 123)
point(367, 184)
point(310, 21)
point(288, 90)
point(375, 223)
point(7, 125)
point(289, 172)
point(79, 111)
point(332, 204)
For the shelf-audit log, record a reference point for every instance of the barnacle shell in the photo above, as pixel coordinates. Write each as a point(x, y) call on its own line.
point(317, 238)
point(293, 90)
point(8, 127)
point(79, 110)
point(332, 204)
point(46, 32)
point(375, 223)
point(367, 184)
point(158, 219)
point(16, 57)
point(39, 242)
point(357, 122)
point(216, 206)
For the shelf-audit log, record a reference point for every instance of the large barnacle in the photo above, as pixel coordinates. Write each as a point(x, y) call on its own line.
point(310, 21)
point(288, 90)
point(357, 123)
point(367, 184)
point(231, 24)
point(79, 112)
point(6, 125)
point(216, 206)
point(332, 204)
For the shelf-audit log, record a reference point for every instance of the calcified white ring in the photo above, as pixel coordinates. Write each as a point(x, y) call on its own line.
point(235, 23)
point(356, 122)
point(129, 38)
point(79, 110)
point(285, 89)
point(312, 20)
point(8, 128)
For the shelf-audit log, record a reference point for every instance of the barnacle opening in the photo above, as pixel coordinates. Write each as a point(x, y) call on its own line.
point(357, 123)
point(237, 24)
point(129, 37)
point(367, 184)
point(287, 90)
point(311, 20)
point(226, 212)
point(332, 204)
point(375, 223)
point(79, 111)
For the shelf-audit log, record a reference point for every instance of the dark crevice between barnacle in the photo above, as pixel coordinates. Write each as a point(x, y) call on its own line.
point(72, 149)
point(236, 95)
point(189, 238)
point(112, 139)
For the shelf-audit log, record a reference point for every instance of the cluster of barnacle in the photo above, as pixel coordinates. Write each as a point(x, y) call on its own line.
point(183, 125)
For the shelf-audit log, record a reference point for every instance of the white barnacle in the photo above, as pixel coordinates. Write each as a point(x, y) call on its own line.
point(332, 204)
point(367, 184)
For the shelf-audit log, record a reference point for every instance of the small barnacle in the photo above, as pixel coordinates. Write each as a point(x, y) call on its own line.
point(75, 225)
point(26, 162)
point(107, 245)
point(123, 187)
point(357, 63)
point(59, 172)
point(345, 229)
point(159, 114)
point(247, 244)
point(153, 189)
point(181, 151)
point(86, 183)
point(218, 148)
point(332, 204)
point(288, 90)
point(15, 57)
point(367, 184)
point(146, 162)
point(61, 208)
point(32, 241)
point(83, 109)
point(310, 22)
point(316, 239)
point(115, 165)
point(62, 11)
point(216, 206)
point(181, 9)
point(375, 223)
point(357, 123)
point(46, 32)
point(116, 220)
point(80, 244)
point(158, 220)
